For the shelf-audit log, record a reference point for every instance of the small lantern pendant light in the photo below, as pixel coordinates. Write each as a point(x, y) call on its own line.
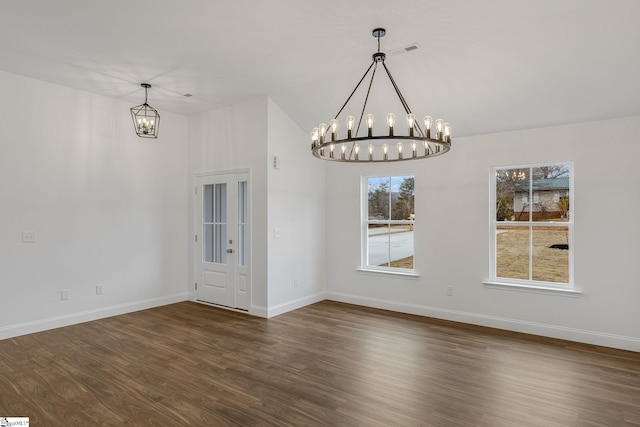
point(146, 119)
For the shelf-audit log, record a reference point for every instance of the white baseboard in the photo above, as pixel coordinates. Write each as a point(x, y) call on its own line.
point(295, 304)
point(266, 312)
point(258, 310)
point(552, 331)
point(11, 331)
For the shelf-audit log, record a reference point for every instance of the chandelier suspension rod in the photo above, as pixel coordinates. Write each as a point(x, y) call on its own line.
point(354, 90)
point(407, 109)
point(397, 89)
point(366, 99)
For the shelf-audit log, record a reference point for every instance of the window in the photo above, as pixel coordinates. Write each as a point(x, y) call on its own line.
point(388, 221)
point(532, 243)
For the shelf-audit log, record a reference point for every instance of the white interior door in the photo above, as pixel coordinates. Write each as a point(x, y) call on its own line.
point(222, 239)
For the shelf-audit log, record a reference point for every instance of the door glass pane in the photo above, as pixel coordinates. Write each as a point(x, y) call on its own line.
point(215, 223)
point(512, 252)
point(208, 204)
point(243, 224)
point(551, 254)
point(378, 245)
point(220, 205)
point(207, 247)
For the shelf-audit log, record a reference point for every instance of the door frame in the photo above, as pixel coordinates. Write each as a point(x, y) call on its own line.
point(194, 226)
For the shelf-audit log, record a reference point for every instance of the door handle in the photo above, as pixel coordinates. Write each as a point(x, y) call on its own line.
point(229, 251)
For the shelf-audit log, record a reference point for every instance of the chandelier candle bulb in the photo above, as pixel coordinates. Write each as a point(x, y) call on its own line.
point(413, 149)
point(350, 121)
point(323, 131)
point(427, 125)
point(369, 119)
point(356, 148)
point(411, 121)
point(331, 151)
point(333, 124)
point(399, 150)
point(370, 151)
point(440, 129)
point(385, 149)
point(391, 118)
point(426, 148)
point(343, 147)
point(447, 132)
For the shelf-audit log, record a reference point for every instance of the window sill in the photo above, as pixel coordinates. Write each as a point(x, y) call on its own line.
point(534, 289)
point(408, 275)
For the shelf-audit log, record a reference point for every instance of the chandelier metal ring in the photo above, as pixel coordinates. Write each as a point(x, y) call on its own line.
point(334, 151)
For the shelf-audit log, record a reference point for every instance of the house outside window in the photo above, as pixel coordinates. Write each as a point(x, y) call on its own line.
point(532, 225)
point(388, 219)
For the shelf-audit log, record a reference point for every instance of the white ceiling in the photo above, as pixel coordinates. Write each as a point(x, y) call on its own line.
point(485, 66)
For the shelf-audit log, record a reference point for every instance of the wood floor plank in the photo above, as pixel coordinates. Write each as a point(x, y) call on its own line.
point(328, 364)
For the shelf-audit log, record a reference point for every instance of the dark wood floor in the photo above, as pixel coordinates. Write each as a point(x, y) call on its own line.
point(328, 364)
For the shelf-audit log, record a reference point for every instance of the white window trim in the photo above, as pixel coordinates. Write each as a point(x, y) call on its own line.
point(530, 285)
point(364, 232)
point(551, 290)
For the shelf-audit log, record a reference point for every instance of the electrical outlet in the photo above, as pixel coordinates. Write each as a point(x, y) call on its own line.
point(99, 289)
point(449, 291)
point(277, 233)
point(65, 294)
point(28, 236)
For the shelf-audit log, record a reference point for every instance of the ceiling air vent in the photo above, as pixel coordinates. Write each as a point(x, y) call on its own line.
point(409, 48)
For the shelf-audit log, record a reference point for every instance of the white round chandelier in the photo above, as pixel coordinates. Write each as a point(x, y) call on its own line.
point(398, 143)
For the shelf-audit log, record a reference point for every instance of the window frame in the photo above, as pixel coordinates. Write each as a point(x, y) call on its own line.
point(365, 222)
point(531, 225)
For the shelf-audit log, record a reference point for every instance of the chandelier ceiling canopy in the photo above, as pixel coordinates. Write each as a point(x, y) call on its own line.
point(146, 119)
point(398, 142)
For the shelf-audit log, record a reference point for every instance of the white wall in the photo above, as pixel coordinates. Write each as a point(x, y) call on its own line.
point(246, 136)
point(296, 208)
point(107, 207)
point(452, 235)
point(110, 208)
point(229, 139)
